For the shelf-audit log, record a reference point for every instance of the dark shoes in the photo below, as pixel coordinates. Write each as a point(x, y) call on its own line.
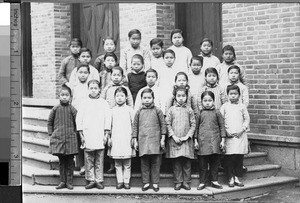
point(177, 186)
point(119, 186)
point(90, 185)
point(201, 186)
point(186, 186)
point(145, 187)
point(216, 185)
point(239, 184)
point(61, 186)
point(82, 172)
point(99, 185)
point(155, 187)
point(70, 186)
point(126, 186)
point(111, 170)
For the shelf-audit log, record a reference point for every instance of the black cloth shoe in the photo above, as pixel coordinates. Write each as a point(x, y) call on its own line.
point(70, 186)
point(126, 186)
point(155, 188)
point(186, 186)
point(119, 186)
point(201, 186)
point(111, 170)
point(177, 186)
point(90, 185)
point(239, 184)
point(99, 186)
point(218, 186)
point(145, 187)
point(61, 186)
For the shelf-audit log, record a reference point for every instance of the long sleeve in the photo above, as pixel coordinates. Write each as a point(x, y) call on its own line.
point(169, 103)
point(50, 122)
point(98, 63)
point(223, 96)
point(194, 105)
point(243, 76)
point(245, 96)
point(192, 123)
point(198, 119)
point(123, 61)
point(79, 117)
point(135, 126)
point(246, 118)
point(138, 100)
point(163, 124)
point(62, 72)
point(147, 59)
point(221, 124)
point(107, 125)
point(169, 123)
point(129, 98)
point(73, 78)
point(74, 114)
point(104, 92)
point(94, 74)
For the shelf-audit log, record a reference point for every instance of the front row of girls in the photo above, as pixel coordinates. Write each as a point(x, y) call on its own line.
point(149, 133)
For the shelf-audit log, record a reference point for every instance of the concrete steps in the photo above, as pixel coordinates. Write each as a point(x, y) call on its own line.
point(252, 188)
point(51, 177)
point(40, 169)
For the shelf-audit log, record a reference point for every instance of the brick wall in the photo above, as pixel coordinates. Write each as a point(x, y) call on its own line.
point(153, 20)
point(137, 16)
point(266, 40)
point(50, 36)
point(165, 22)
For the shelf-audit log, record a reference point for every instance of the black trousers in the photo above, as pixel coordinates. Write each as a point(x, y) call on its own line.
point(150, 168)
point(234, 165)
point(208, 167)
point(66, 168)
point(182, 169)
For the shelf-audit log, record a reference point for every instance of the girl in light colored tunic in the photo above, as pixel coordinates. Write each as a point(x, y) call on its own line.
point(236, 118)
point(120, 140)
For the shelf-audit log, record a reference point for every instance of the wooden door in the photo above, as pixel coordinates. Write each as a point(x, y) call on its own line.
point(198, 21)
point(97, 21)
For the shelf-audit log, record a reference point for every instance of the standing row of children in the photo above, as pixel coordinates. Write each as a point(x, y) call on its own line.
point(138, 108)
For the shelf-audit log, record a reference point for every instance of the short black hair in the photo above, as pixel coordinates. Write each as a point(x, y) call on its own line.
point(209, 93)
point(233, 87)
point(84, 65)
point(151, 70)
point(197, 58)
point(134, 31)
point(77, 41)
point(170, 51)
point(121, 89)
point(147, 90)
point(65, 87)
point(110, 54)
point(211, 70)
point(157, 41)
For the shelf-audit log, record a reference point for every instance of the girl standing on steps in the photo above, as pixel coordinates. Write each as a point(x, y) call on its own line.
point(209, 140)
point(120, 140)
point(181, 125)
point(63, 137)
point(236, 118)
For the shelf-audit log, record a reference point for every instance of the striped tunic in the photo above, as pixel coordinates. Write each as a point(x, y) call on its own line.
point(62, 130)
point(220, 95)
point(109, 95)
point(180, 122)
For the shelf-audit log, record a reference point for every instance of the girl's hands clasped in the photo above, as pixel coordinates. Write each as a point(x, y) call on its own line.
point(176, 139)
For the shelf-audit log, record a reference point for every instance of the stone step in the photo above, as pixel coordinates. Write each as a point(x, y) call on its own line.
point(42, 176)
point(39, 160)
point(252, 188)
point(36, 144)
point(35, 116)
point(35, 132)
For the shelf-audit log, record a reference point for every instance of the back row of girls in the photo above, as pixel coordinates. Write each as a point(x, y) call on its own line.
point(195, 80)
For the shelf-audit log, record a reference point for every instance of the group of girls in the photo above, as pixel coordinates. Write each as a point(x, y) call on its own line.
point(154, 102)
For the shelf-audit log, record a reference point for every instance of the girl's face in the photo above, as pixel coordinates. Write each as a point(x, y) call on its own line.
point(181, 97)
point(228, 56)
point(109, 46)
point(85, 57)
point(233, 96)
point(211, 78)
point(120, 98)
point(136, 65)
point(147, 99)
point(83, 74)
point(206, 48)
point(74, 48)
point(181, 81)
point(196, 66)
point(169, 59)
point(177, 39)
point(94, 89)
point(135, 40)
point(64, 96)
point(207, 102)
point(151, 79)
point(116, 77)
point(110, 62)
point(156, 50)
point(233, 75)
